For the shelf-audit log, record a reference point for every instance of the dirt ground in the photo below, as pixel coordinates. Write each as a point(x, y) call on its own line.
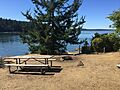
point(98, 73)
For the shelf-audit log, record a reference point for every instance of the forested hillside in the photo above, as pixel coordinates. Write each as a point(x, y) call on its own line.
point(8, 25)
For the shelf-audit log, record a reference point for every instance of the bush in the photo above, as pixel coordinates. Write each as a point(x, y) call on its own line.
point(86, 49)
point(115, 41)
point(97, 44)
point(106, 42)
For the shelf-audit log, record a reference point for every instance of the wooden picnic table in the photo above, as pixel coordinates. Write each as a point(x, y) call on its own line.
point(21, 61)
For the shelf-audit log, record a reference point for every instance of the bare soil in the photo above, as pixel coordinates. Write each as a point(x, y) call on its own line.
point(98, 73)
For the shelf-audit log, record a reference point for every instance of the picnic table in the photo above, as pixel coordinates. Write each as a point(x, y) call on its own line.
point(45, 61)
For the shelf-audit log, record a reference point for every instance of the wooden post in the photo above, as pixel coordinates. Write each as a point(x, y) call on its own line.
point(119, 50)
point(79, 49)
point(104, 50)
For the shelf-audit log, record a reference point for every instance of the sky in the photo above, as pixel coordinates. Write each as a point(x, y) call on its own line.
point(95, 11)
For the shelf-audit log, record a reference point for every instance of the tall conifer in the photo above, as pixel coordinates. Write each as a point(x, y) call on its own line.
point(54, 25)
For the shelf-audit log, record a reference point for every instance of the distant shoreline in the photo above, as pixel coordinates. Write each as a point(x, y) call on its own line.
point(97, 29)
point(81, 30)
point(10, 32)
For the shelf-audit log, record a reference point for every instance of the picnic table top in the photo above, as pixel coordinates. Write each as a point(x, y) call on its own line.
point(28, 65)
point(37, 56)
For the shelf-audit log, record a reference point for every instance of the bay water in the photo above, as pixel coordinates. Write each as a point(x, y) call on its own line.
point(11, 45)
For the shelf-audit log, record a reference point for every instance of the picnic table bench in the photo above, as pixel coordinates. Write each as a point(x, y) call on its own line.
point(118, 65)
point(27, 65)
point(21, 61)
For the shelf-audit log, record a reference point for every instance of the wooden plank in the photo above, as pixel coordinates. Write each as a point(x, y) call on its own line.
point(11, 60)
point(28, 65)
point(30, 57)
point(52, 59)
point(118, 65)
point(49, 59)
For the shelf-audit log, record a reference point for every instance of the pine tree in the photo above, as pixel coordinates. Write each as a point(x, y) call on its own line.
point(55, 24)
point(115, 18)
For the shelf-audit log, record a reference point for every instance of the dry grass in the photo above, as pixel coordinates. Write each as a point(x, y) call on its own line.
point(99, 73)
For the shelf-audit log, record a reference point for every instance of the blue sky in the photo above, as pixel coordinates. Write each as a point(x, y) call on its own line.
point(95, 11)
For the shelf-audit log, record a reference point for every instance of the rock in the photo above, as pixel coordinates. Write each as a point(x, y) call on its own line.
point(80, 63)
point(67, 58)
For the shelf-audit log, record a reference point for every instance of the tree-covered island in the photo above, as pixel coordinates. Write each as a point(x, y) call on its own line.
point(12, 26)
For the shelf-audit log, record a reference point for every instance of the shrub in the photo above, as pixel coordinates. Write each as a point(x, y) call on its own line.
point(106, 42)
point(86, 49)
point(115, 41)
point(97, 44)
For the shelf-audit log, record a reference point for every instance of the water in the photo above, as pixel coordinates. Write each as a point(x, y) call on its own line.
point(10, 44)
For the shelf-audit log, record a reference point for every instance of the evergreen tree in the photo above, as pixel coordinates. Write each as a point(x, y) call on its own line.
point(115, 18)
point(54, 25)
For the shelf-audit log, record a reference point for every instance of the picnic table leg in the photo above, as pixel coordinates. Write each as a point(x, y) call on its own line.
point(42, 70)
point(51, 63)
point(9, 69)
point(25, 62)
point(45, 61)
point(17, 63)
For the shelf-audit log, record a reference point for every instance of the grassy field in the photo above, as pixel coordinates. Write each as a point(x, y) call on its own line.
point(98, 73)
